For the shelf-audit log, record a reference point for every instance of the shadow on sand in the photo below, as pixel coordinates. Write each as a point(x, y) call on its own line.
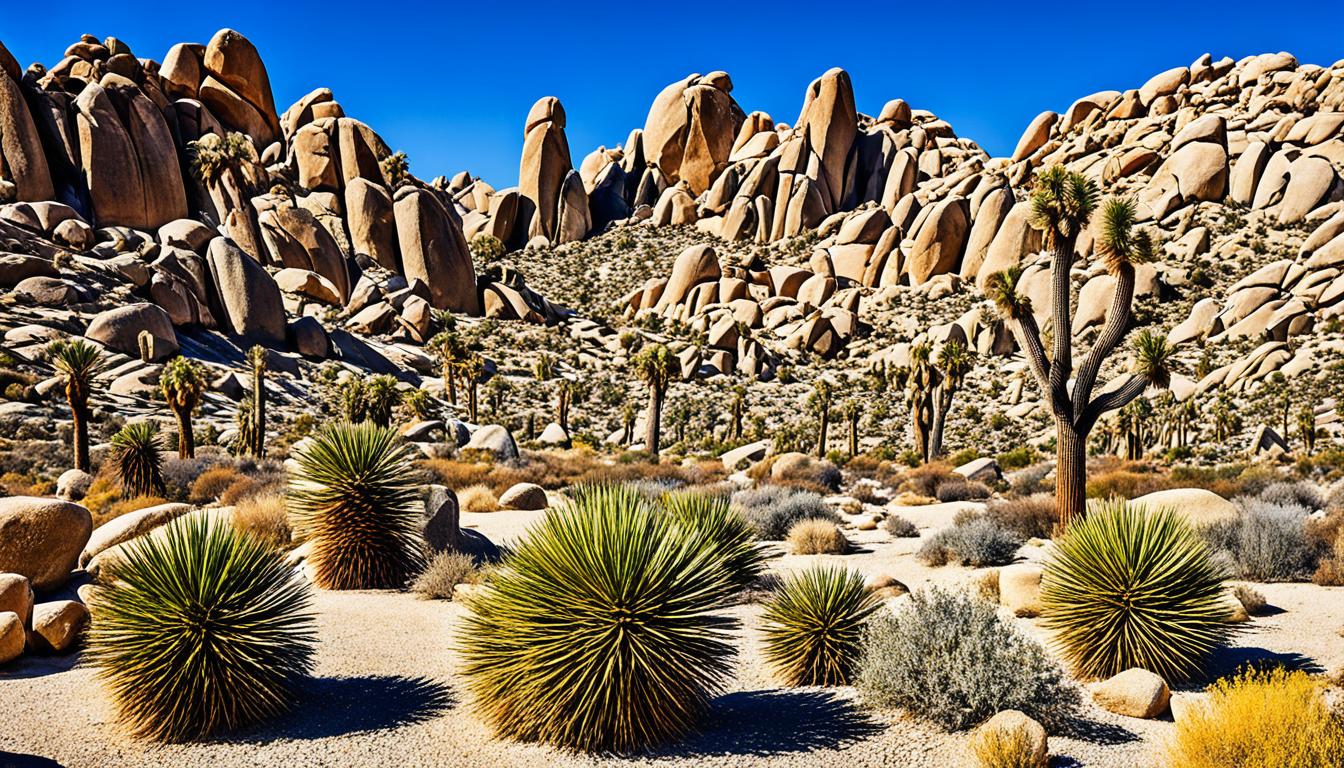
point(36, 665)
point(342, 706)
point(773, 722)
point(1230, 661)
point(16, 760)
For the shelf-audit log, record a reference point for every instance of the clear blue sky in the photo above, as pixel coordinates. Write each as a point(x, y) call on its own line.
point(450, 83)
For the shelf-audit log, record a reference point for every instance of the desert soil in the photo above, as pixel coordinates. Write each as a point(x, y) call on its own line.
point(387, 691)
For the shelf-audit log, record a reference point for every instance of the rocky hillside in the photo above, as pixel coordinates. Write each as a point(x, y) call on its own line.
point(167, 206)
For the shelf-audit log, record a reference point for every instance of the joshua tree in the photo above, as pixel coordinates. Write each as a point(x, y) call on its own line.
point(919, 384)
point(396, 168)
point(78, 362)
point(1061, 205)
point(183, 383)
point(851, 411)
point(562, 395)
point(136, 451)
point(680, 415)
point(255, 433)
point(1225, 421)
point(739, 405)
point(473, 366)
point(628, 416)
point(1281, 399)
point(1135, 418)
point(655, 365)
point(452, 352)
point(497, 390)
point(819, 402)
point(1306, 427)
point(954, 362)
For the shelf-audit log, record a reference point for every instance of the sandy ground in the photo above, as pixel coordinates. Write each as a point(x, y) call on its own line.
point(387, 692)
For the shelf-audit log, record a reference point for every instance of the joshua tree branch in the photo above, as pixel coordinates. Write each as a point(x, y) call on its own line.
point(1061, 364)
point(1109, 401)
point(1117, 321)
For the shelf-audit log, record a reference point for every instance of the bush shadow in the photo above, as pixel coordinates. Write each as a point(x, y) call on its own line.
point(18, 760)
point(773, 722)
point(343, 706)
point(1229, 661)
point(38, 665)
point(1097, 732)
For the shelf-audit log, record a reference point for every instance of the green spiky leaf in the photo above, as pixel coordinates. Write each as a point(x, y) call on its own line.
point(814, 626)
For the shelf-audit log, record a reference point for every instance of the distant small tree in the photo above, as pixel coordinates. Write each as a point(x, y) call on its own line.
point(77, 362)
point(255, 432)
point(920, 383)
point(182, 383)
point(473, 367)
point(954, 362)
point(851, 411)
point(655, 365)
point(396, 169)
point(1306, 427)
point(737, 410)
point(819, 402)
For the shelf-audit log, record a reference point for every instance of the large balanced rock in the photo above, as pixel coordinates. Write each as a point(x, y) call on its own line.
point(57, 626)
point(246, 296)
point(119, 329)
point(542, 170)
point(241, 87)
point(690, 129)
point(527, 496)
point(695, 265)
point(939, 242)
point(1133, 693)
point(828, 120)
point(1006, 725)
point(434, 250)
point(40, 539)
point(22, 161)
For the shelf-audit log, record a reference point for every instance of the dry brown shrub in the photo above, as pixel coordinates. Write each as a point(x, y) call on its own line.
point(477, 498)
point(126, 506)
point(817, 537)
point(266, 518)
point(212, 483)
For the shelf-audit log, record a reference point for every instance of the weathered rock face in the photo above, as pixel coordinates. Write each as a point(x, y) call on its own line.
point(691, 128)
point(40, 539)
point(373, 228)
point(828, 120)
point(239, 89)
point(545, 164)
point(295, 239)
point(22, 161)
point(434, 250)
point(939, 242)
point(1133, 693)
point(246, 297)
point(128, 157)
point(119, 330)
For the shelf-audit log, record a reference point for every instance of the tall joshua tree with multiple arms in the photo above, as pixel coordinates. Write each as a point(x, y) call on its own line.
point(183, 383)
point(820, 402)
point(919, 382)
point(655, 365)
point(1061, 205)
point(78, 362)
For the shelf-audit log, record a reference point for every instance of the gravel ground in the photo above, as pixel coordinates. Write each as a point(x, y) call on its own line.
point(387, 692)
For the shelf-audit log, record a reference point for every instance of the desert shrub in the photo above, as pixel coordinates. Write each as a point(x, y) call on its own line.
point(900, 527)
point(1267, 542)
point(456, 474)
point(265, 518)
point(135, 451)
point(1260, 719)
point(805, 473)
point(949, 657)
point(1020, 457)
point(976, 541)
point(1252, 599)
point(998, 748)
point(1293, 494)
point(1031, 480)
point(211, 484)
point(442, 573)
point(202, 630)
point(773, 509)
point(353, 498)
point(256, 480)
point(477, 498)
point(605, 582)
point(814, 624)
point(817, 537)
point(1127, 587)
point(1124, 484)
point(723, 527)
point(961, 490)
point(1030, 517)
point(925, 480)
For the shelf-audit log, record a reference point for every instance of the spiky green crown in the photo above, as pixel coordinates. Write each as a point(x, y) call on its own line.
point(1005, 290)
point(814, 626)
point(135, 448)
point(182, 382)
point(200, 629)
point(599, 633)
point(656, 365)
point(714, 518)
point(77, 360)
point(1127, 587)
point(1153, 356)
point(1062, 202)
point(354, 496)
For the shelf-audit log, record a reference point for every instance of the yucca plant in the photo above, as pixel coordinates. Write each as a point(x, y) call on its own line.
point(353, 495)
point(135, 448)
point(655, 365)
point(183, 382)
point(1127, 587)
point(814, 626)
point(726, 529)
point(200, 629)
point(599, 632)
point(77, 362)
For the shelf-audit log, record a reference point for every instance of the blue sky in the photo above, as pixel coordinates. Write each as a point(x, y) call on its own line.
point(451, 83)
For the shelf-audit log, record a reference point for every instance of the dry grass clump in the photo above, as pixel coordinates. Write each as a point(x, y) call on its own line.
point(900, 527)
point(1126, 483)
point(557, 469)
point(817, 537)
point(1260, 719)
point(454, 473)
point(1252, 599)
point(212, 483)
point(266, 518)
point(774, 509)
point(973, 540)
point(958, 489)
point(261, 482)
point(477, 498)
point(998, 748)
point(1031, 517)
point(1327, 535)
point(442, 574)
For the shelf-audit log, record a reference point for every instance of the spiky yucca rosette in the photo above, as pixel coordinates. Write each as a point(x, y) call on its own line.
point(135, 448)
point(715, 518)
point(814, 626)
point(598, 634)
point(354, 498)
point(1127, 587)
point(200, 629)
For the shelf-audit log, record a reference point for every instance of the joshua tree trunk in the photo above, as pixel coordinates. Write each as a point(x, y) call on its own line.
point(562, 407)
point(652, 428)
point(472, 411)
point(186, 441)
point(945, 395)
point(259, 412)
point(1070, 469)
point(79, 413)
point(921, 422)
point(450, 380)
point(853, 435)
point(821, 432)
